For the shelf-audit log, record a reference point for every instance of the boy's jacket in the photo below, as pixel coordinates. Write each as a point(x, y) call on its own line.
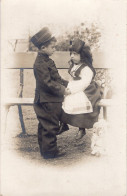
point(50, 87)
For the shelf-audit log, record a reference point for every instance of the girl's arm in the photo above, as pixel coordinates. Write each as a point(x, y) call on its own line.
point(80, 85)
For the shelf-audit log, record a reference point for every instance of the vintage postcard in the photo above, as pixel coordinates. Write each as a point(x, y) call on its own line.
point(63, 98)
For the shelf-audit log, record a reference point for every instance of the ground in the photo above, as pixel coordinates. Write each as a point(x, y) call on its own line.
point(27, 146)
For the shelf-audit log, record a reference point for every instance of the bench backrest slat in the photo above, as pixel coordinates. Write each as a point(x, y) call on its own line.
point(26, 60)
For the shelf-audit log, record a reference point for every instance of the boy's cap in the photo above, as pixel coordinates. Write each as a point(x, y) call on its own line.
point(41, 37)
point(76, 45)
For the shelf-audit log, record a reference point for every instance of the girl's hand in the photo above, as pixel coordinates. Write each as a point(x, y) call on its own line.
point(67, 91)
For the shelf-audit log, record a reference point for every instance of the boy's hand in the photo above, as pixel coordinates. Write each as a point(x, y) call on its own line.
point(67, 91)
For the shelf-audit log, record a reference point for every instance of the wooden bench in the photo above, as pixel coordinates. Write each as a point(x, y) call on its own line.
point(25, 61)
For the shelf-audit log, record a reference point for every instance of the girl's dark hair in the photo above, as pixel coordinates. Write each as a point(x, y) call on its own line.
point(86, 55)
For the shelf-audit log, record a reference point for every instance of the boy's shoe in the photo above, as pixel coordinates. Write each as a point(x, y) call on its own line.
point(80, 134)
point(63, 127)
point(53, 155)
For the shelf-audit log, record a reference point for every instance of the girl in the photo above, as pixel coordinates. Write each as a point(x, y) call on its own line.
point(80, 105)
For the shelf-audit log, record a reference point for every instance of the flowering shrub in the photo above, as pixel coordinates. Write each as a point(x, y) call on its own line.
point(90, 35)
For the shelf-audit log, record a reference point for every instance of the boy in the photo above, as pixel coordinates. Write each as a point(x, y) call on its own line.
point(49, 94)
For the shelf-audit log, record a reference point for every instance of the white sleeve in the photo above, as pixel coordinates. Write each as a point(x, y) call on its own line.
point(80, 85)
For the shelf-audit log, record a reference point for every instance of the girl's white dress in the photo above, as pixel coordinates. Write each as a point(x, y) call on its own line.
point(77, 102)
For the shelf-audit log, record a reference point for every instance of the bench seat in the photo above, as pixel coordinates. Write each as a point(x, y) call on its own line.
point(29, 101)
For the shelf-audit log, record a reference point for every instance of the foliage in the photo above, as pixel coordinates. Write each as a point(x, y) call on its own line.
point(90, 35)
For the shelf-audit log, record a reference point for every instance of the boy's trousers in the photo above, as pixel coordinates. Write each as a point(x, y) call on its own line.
point(48, 115)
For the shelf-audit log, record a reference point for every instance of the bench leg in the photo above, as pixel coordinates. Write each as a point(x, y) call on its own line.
point(105, 113)
point(21, 120)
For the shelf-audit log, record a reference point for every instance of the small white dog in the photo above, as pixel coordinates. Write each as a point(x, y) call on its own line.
point(98, 146)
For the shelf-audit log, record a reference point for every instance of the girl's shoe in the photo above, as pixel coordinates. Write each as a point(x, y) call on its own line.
point(63, 127)
point(80, 133)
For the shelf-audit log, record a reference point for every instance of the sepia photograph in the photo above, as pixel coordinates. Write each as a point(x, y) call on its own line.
point(63, 98)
